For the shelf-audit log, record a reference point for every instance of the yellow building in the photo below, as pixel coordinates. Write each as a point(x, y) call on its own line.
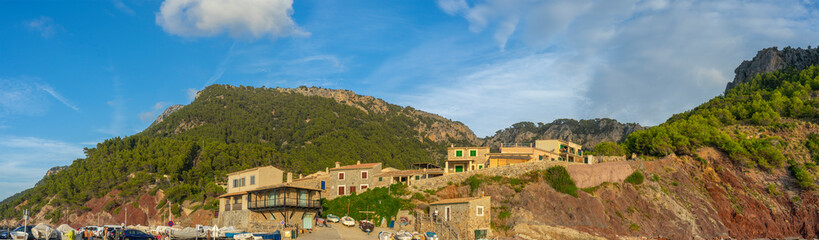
point(464, 159)
point(568, 151)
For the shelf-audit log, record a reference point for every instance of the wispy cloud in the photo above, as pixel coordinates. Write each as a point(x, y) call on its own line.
point(239, 19)
point(29, 158)
point(122, 7)
point(220, 70)
point(28, 96)
point(43, 25)
point(57, 96)
point(191, 92)
point(116, 126)
point(150, 115)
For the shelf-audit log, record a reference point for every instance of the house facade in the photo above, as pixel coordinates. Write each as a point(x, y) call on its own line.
point(568, 151)
point(346, 180)
point(406, 177)
point(465, 159)
point(258, 199)
point(469, 218)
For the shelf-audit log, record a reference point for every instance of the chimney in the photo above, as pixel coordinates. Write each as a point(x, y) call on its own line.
point(327, 170)
point(289, 177)
point(357, 162)
point(338, 164)
point(300, 176)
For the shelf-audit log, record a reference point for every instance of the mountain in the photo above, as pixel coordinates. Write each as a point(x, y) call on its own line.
point(772, 59)
point(184, 155)
point(587, 132)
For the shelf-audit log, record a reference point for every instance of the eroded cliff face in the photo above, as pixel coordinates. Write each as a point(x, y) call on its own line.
point(772, 59)
point(587, 132)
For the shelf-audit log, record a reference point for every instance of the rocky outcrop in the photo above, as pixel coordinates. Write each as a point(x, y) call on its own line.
point(772, 59)
point(168, 111)
point(50, 172)
point(431, 126)
point(584, 132)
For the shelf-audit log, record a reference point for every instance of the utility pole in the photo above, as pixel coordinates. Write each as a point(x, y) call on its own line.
point(126, 216)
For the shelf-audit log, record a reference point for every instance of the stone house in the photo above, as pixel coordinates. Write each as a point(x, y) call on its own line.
point(345, 180)
point(469, 218)
point(464, 159)
point(406, 177)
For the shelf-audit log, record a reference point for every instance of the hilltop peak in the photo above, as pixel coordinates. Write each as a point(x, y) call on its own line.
point(772, 59)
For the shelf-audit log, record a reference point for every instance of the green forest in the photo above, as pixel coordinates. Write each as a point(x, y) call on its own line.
point(227, 129)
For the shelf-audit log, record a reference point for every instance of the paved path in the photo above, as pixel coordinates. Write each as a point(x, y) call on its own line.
point(337, 231)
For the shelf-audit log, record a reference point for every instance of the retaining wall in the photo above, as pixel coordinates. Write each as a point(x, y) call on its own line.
point(584, 175)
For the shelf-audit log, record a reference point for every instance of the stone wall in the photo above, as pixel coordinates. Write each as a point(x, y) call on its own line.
point(584, 175)
point(602, 159)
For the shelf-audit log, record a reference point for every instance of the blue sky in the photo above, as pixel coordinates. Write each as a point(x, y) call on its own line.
point(73, 73)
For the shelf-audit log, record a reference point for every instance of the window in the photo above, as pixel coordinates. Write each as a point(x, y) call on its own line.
point(540, 157)
point(579, 152)
point(235, 183)
point(480, 166)
point(479, 211)
point(340, 190)
point(553, 159)
point(243, 182)
point(560, 158)
point(417, 177)
point(322, 185)
point(363, 174)
point(380, 179)
point(341, 176)
point(352, 189)
point(480, 233)
point(459, 153)
point(236, 200)
point(473, 153)
point(252, 180)
point(364, 186)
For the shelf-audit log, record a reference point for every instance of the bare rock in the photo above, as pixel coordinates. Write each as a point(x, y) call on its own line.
point(772, 59)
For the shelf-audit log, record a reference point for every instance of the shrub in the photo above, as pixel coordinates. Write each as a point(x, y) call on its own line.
point(559, 179)
point(504, 214)
point(635, 178)
point(773, 190)
point(607, 148)
point(803, 178)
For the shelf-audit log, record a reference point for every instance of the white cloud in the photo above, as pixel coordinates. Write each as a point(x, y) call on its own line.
point(26, 96)
point(29, 158)
point(43, 25)
point(156, 110)
point(644, 60)
point(122, 7)
point(191, 92)
point(238, 18)
point(57, 96)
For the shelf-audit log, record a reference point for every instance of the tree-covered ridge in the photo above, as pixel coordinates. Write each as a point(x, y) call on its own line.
point(762, 102)
point(228, 129)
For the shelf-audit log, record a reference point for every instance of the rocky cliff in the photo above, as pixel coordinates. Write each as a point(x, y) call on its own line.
point(772, 59)
point(588, 132)
point(168, 111)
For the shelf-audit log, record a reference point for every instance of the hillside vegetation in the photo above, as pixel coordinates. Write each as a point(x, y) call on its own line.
point(766, 101)
point(228, 129)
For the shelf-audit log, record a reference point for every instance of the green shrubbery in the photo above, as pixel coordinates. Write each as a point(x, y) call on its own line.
point(607, 148)
point(559, 179)
point(803, 179)
point(635, 178)
point(379, 200)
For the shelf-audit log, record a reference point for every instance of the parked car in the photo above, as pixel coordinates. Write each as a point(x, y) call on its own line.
point(133, 234)
point(4, 234)
point(17, 233)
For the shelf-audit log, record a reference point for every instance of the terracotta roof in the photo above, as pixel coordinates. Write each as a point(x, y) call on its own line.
point(289, 185)
point(410, 172)
point(232, 194)
point(456, 200)
point(357, 166)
